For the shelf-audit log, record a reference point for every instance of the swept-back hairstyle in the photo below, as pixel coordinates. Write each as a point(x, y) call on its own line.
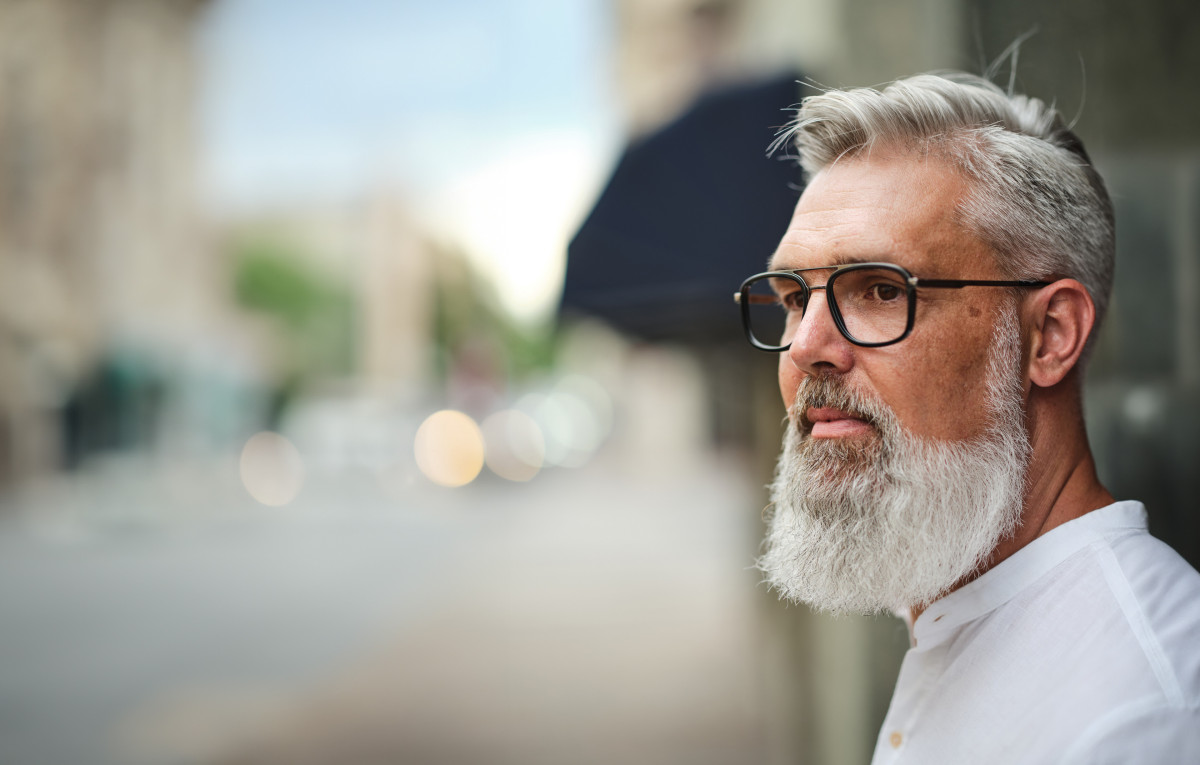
point(1034, 196)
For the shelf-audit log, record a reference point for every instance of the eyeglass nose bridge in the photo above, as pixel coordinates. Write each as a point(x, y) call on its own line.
point(830, 303)
point(830, 297)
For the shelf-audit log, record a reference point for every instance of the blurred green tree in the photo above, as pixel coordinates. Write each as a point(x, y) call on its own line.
point(315, 312)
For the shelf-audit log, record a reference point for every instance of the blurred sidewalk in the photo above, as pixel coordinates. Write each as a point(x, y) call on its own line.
point(592, 615)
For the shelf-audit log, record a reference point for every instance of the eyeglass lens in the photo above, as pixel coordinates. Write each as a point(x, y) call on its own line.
point(873, 303)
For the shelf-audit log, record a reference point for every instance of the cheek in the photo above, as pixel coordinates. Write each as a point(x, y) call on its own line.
point(942, 394)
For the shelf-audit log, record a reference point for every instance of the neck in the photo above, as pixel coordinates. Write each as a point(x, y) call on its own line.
point(1061, 483)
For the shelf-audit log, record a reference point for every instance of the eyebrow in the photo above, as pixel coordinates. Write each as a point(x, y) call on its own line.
point(836, 263)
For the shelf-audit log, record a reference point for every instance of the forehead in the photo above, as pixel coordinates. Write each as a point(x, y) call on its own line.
point(896, 209)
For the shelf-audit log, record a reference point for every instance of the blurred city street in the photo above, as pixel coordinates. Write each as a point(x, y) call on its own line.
point(371, 389)
point(603, 614)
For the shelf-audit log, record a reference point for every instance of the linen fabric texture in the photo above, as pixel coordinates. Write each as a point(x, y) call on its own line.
point(1082, 647)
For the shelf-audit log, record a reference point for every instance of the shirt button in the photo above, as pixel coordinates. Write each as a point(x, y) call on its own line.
point(896, 739)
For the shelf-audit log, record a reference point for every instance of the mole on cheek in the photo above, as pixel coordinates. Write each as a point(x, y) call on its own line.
point(975, 312)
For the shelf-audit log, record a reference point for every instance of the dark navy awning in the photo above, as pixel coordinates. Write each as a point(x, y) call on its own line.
point(689, 212)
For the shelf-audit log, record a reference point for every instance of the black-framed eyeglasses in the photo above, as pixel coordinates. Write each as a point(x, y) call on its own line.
point(872, 304)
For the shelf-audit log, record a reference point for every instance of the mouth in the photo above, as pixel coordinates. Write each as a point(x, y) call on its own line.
point(828, 422)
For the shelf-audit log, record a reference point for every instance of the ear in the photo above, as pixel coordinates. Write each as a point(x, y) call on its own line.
point(1061, 316)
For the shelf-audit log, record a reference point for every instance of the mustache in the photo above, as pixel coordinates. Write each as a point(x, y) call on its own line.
point(824, 391)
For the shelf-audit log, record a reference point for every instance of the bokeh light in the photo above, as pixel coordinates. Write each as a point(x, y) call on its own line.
point(575, 417)
point(272, 469)
point(449, 448)
point(515, 446)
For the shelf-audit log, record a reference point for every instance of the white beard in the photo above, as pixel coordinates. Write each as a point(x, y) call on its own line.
point(897, 523)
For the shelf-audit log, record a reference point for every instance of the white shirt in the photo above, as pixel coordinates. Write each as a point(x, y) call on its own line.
point(1082, 647)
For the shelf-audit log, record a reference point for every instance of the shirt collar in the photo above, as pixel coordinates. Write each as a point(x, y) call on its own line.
point(1002, 582)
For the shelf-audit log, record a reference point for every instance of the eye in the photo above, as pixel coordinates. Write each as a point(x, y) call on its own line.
point(885, 292)
point(792, 301)
point(869, 289)
point(788, 293)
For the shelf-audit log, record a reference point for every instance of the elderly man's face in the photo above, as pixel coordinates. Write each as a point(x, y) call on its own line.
point(898, 210)
point(904, 465)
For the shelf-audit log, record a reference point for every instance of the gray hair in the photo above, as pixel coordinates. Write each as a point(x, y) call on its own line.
point(1034, 196)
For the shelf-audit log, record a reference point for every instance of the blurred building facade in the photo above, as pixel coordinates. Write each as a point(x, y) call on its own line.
point(101, 240)
point(668, 51)
point(1121, 67)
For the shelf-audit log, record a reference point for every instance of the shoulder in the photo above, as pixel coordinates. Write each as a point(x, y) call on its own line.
point(1158, 593)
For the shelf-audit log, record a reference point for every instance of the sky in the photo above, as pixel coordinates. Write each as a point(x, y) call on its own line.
point(494, 116)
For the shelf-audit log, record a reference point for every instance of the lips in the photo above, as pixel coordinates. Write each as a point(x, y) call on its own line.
point(828, 422)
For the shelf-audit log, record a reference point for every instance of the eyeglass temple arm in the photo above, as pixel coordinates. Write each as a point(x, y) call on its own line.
point(755, 299)
point(956, 283)
point(918, 282)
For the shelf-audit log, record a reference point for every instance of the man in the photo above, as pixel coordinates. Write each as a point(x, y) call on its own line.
point(935, 297)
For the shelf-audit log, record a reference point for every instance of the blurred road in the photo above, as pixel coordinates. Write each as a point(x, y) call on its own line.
point(157, 616)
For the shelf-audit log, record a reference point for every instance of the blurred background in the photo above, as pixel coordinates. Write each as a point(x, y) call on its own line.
point(371, 390)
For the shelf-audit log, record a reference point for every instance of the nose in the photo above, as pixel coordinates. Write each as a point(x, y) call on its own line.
point(817, 345)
